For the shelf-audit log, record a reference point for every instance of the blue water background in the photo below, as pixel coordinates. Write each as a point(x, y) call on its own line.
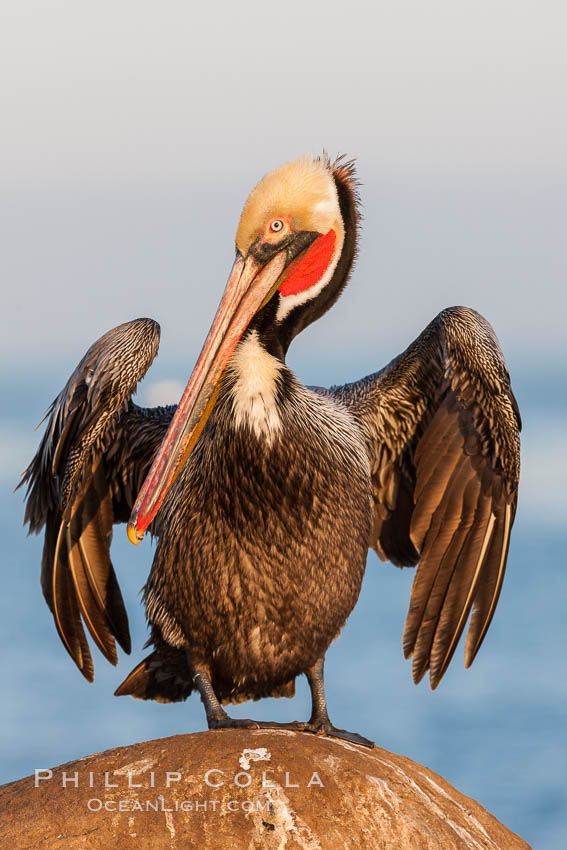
point(496, 731)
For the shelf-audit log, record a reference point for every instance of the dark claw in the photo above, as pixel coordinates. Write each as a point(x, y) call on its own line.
point(227, 722)
point(230, 723)
point(333, 732)
point(293, 725)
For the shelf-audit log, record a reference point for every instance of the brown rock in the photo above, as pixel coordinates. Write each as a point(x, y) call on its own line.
point(253, 789)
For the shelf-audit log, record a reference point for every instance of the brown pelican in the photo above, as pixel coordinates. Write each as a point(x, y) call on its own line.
point(264, 494)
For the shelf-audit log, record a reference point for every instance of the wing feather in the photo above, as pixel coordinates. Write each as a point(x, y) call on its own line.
point(91, 612)
point(426, 519)
point(96, 449)
point(489, 589)
point(442, 429)
point(66, 611)
point(442, 549)
point(103, 582)
point(460, 593)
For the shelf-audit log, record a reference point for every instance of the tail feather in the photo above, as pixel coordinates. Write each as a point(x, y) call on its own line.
point(164, 676)
point(158, 678)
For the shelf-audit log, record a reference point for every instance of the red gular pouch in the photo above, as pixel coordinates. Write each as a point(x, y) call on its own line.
point(309, 268)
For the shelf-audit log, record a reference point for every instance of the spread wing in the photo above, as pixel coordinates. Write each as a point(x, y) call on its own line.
point(442, 429)
point(95, 452)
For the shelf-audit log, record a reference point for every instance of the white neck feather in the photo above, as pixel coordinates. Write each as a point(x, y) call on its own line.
point(254, 391)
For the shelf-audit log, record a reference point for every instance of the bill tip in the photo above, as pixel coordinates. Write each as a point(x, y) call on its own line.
point(133, 535)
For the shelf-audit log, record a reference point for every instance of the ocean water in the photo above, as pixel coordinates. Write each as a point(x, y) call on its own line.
point(497, 731)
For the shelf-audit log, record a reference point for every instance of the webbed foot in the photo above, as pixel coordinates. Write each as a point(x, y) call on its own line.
point(226, 722)
point(325, 727)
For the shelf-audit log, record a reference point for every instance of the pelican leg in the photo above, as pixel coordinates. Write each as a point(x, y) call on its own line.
point(319, 722)
point(315, 676)
point(217, 718)
point(216, 714)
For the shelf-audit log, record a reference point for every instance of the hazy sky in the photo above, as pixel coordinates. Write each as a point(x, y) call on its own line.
point(132, 133)
point(136, 90)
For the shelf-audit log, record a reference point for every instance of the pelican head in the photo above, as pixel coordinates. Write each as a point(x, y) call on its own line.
point(291, 263)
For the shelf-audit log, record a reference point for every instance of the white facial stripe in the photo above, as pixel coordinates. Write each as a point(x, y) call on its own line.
point(325, 207)
point(254, 391)
point(289, 302)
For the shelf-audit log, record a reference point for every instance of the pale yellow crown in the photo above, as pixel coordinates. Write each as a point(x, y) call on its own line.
point(302, 190)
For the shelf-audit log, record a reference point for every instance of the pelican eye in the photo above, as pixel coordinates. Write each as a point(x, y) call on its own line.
point(276, 225)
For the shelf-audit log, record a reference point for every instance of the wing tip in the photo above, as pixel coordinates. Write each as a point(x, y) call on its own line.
point(87, 672)
point(125, 643)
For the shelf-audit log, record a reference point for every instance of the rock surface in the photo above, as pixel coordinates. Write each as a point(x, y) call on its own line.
point(254, 789)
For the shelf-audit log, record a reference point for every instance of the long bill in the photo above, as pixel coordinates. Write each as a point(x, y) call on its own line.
point(249, 287)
